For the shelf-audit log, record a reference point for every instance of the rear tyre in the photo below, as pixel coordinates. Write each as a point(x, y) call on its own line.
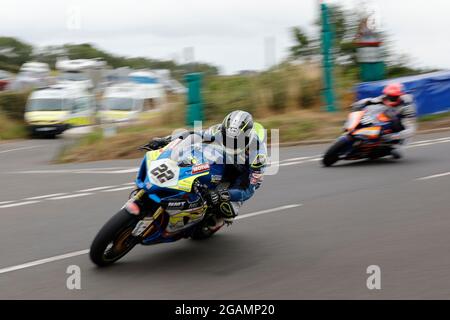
point(332, 154)
point(396, 154)
point(114, 240)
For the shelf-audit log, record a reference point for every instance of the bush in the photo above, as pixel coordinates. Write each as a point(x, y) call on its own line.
point(11, 129)
point(9, 67)
point(12, 104)
point(309, 95)
point(279, 89)
point(225, 94)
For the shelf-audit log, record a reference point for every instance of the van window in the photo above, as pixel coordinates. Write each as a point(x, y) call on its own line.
point(74, 76)
point(81, 104)
point(69, 105)
point(45, 105)
point(121, 104)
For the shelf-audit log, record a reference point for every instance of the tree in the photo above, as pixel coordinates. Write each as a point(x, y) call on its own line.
point(303, 47)
point(345, 25)
point(14, 52)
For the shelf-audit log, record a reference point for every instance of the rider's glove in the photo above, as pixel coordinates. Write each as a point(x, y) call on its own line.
point(221, 200)
point(157, 143)
point(215, 197)
point(227, 211)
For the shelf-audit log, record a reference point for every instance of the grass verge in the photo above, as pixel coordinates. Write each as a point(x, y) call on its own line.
point(292, 126)
point(11, 129)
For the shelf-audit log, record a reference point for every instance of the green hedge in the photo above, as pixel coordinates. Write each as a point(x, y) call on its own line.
point(224, 94)
point(9, 67)
point(12, 104)
point(274, 91)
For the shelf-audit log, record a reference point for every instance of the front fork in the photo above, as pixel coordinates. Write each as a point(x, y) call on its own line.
point(350, 144)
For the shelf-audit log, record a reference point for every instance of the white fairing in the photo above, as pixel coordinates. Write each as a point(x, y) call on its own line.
point(164, 173)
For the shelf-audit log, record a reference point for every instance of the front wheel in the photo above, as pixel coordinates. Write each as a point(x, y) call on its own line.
point(332, 154)
point(114, 240)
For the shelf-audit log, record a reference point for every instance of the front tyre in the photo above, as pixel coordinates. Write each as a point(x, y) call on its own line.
point(332, 154)
point(114, 240)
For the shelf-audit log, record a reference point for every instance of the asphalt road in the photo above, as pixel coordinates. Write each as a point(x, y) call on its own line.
point(310, 232)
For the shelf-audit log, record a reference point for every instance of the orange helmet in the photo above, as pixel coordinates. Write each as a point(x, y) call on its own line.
point(392, 94)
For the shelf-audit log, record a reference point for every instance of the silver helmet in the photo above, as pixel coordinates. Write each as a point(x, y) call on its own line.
point(236, 131)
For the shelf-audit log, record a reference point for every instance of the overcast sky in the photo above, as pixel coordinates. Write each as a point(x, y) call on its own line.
point(228, 33)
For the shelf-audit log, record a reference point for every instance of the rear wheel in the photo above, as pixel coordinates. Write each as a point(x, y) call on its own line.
point(332, 154)
point(114, 240)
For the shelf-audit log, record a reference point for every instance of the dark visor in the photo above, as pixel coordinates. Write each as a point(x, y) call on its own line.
point(393, 98)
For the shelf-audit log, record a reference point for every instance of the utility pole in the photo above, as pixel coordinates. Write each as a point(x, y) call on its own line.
point(189, 58)
point(327, 58)
point(269, 52)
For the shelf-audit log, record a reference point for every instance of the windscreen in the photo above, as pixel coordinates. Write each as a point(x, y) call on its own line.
point(192, 150)
point(371, 113)
point(121, 104)
point(45, 105)
point(74, 76)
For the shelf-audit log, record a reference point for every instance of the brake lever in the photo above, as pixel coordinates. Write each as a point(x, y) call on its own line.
point(145, 147)
point(201, 190)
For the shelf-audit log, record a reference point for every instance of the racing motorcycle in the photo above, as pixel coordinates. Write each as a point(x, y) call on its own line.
point(169, 203)
point(363, 135)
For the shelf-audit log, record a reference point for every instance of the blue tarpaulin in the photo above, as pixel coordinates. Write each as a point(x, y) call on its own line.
point(431, 91)
point(141, 79)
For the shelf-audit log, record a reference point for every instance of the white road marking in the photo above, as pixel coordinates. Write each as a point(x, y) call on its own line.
point(257, 213)
point(281, 163)
point(17, 204)
point(431, 140)
point(46, 196)
point(434, 176)
point(299, 162)
point(76, 195)
point(416, 144)
point(76, 171)
point(86, 251)
point(17, 149)
point(293, 159)
point(109, 171)
point(288, 162)
point(96, 189)
point(300, 158)
point(426, 144)
point(125, 170)
point(118, 189)
point(67, 195)
point(43, 261)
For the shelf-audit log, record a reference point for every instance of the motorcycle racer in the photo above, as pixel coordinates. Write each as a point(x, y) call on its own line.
point(403, 110)
point(244, 143)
